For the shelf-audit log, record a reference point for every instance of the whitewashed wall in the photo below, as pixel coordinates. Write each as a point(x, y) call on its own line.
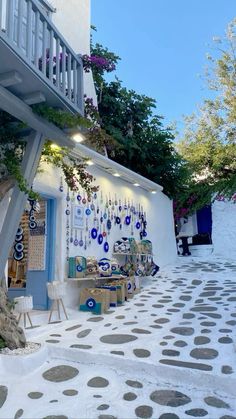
point(159, 217)
point(224, 229)
point(72, 18)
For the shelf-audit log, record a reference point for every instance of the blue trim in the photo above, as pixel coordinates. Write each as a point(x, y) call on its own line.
point(51, 253)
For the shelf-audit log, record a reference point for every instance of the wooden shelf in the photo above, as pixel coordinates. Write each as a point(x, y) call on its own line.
point(133, 254)
point(96, 278)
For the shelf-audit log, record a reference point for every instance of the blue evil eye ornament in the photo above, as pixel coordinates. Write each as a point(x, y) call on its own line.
point(95, 195)
point(92, 206)
point(94, 233)
point(91, 303)
point(138, 225)
point(108, 224)
point(118, 220)
point(76, 242)
point(144, 233)
point(67, 212)
point(88, 211)
point(79, 197)
point(79, 268)
point(32, 225)
point(100, 239)
point(19, 247)
point(127, 220)
point(106, 247)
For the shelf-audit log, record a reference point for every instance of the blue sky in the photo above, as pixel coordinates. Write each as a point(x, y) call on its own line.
point(163, 46)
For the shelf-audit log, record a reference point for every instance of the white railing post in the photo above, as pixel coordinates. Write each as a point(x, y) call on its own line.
point(19, 23)
point(29, 31)
point(51, 55)
point(1, 14)
point(75, 81)
point(44, 48)
point(36, 40)
point(69, 75)
point(63, 69)
point(10, 19)
point(80, 85)
point(58, 62)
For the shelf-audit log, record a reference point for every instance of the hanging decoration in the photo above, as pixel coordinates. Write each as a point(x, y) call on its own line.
point(90, 218)
point(18, 254)
point(32, 219)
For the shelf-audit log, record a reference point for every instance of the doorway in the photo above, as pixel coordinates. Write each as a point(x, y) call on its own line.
point(31, 269)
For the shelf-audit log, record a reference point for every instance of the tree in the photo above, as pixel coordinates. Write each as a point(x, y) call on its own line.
point(140, 142)
point(209, 143)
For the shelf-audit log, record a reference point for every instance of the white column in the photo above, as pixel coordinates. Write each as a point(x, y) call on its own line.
point(18, 199)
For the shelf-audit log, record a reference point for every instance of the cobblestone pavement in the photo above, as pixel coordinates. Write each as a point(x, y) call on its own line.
point(168, 353)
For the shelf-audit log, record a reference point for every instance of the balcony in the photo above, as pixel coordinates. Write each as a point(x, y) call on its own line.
point(37, 64)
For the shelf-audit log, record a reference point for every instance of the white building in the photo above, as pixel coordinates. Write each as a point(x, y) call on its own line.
point(48, 251)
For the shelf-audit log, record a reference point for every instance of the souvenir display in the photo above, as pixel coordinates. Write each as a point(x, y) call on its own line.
point(92, 266)
point(130, 287)
point(95, 300)
point(115, 267)
point(104, 267)
point(136, 285)
point(120, 290)
point(77, 267)
point(113, 294)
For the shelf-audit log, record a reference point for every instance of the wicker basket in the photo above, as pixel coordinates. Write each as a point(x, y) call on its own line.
point(56, 290)
point(23, 304)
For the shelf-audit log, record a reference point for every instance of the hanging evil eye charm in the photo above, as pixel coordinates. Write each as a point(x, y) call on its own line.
point(88, 211)
point(18, 256)
point(106, 247)
point(144, 233)
point(118, 220)
point(105, 215)
point(100, 239)
point(127, 220)
point(61, 188)
point(67, 212)
point(92, 206)
point(138, 225)
point(32, 225)
point(89, 199)
point(19, 238)
point(79, 197)
point(104, 234)
point(95, 196)
point(94, 233)
point(84, 201)
point(125, 207)
point(120, 208)
point(19, 231)
point(19, 247)
point(108, 224)
point(101, 219)
point(76, 242)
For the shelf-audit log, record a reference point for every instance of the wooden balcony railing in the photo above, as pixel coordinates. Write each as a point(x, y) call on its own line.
point(26, 28)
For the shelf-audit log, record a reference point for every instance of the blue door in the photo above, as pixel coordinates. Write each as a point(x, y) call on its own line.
point(36, 283)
